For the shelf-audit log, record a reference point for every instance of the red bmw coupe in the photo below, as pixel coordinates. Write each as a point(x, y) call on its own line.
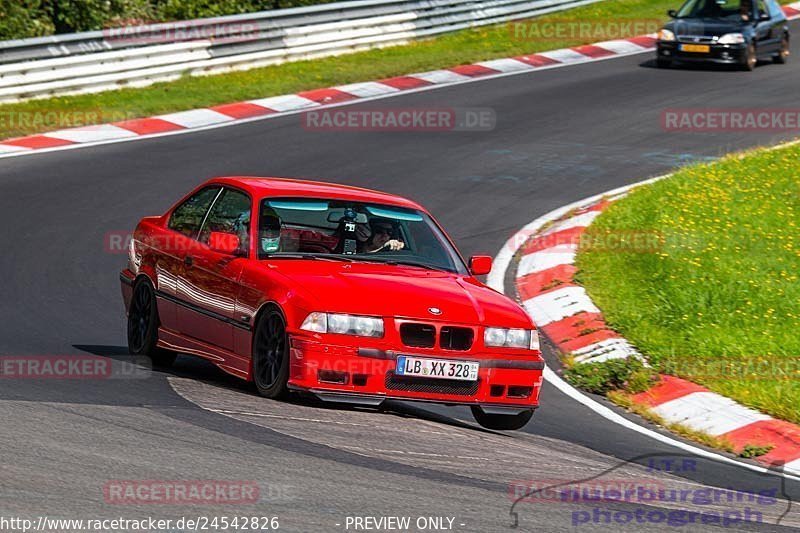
point(349, 294)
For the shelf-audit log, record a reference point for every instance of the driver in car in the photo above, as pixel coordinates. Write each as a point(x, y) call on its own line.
point(377, 236)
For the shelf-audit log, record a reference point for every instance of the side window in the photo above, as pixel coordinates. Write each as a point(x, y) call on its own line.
point(762, 8)
point(187, 217)
point(230, 214)
point(774, 9)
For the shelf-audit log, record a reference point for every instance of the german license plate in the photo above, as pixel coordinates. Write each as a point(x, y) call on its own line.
point(436, 368)
point(696, 48)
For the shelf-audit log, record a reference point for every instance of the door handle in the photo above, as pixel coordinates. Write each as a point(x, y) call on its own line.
point(188, 261)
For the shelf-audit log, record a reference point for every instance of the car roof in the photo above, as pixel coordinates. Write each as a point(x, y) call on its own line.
point(264, 187)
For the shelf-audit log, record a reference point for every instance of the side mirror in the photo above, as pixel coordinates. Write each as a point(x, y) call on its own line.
point(224, 243)
point(672, 13)
point(480, 265)
point(763, 16)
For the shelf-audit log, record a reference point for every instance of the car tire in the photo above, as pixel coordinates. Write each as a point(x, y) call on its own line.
point(143, 325)
point(750, 58)
point(783, 56)
point(663, 63)
point(271, 355)
point(501, 422)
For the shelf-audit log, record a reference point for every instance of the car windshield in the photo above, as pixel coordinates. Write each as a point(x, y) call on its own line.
point(715, 9)
point(345, 230)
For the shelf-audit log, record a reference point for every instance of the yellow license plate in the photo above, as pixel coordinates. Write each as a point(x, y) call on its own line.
point(697, 48)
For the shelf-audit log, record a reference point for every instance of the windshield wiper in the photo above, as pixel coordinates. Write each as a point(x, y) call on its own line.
point(414, 264)
point(322, 257)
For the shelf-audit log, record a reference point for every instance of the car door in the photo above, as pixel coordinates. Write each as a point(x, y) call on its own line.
point(209, 283)
point(172, 244)
point(779, 26)
point(767, 34)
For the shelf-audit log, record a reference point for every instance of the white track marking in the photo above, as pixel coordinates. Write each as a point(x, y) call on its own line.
point(365, 89)
point(563, 254)
point(558, 305)
point(90, 134)
point(9, 148)
point(289, 102)
point(616, 348)
point(440, 76)
point(506, 65)
point(708, 412)
point(620, 46)
point(583, 220)
point(565, 55)
point(195, 118)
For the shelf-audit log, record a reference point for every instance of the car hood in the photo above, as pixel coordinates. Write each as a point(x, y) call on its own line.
point(400, 291)
point(707, 27)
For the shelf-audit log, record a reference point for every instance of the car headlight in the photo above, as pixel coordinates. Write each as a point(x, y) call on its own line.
point(511, 338)
point(361, 326)
point(731, 38)
point(666, 35)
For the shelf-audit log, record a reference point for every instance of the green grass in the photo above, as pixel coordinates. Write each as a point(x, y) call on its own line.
point(453, 49)
point(719, 301)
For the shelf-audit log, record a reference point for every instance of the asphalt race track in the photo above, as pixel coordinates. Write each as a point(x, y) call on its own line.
point(561, 135)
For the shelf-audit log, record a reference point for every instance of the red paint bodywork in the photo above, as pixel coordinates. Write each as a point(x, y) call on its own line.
point(210, 308)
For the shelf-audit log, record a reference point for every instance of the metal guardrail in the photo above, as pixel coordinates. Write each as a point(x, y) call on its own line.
point(140, 55)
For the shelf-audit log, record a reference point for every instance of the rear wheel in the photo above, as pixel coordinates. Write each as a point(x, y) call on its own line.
point(750, 58)
point(271, 355)
point(783, 54)
point(501, 422)
point(143, 325)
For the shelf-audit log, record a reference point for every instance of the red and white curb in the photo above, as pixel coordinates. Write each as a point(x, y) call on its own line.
point(566, 314)
point(293, 103)
point(227, 114)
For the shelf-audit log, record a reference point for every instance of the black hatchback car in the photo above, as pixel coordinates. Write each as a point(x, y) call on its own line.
point(735, 32)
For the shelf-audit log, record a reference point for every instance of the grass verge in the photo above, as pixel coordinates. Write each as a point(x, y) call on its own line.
point(503, 40)
point(718, 301)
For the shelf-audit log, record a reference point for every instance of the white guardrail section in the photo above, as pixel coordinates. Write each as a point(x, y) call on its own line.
point(141, 55)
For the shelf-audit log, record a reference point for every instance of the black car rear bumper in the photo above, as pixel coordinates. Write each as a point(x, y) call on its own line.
point(729, 54)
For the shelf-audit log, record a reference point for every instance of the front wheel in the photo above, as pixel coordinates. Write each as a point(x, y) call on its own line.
point(501, 422)
point(750, 58)
point(783, 55)
point(663, 63)
point(143, 325)
point(271, 355)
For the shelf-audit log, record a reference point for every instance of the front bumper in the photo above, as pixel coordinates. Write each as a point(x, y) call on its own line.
point(728, 54)
point(366, 376)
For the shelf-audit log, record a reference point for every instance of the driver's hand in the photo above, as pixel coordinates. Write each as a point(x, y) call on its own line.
point(394, 245)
